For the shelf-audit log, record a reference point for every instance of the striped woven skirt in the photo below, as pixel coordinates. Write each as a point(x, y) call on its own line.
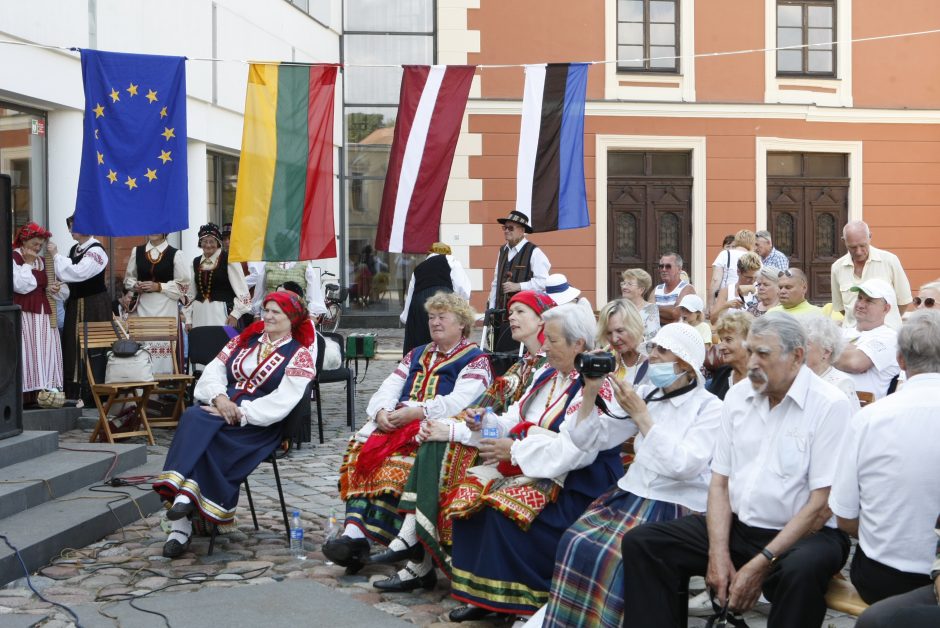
point(587, 584)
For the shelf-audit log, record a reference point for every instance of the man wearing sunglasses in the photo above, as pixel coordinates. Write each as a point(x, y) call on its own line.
point(871, 350)
point(673, 288)
point(791, 291)
point(864, 262)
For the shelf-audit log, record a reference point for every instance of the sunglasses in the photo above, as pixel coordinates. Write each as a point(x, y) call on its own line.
point(928, 302)
point(665, 266)
point(784, 273)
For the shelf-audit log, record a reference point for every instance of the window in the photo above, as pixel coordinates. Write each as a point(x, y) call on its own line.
point(807, 165)
point(221, 177)
point(23, 157)
point(648, 30)
point(649, 164)
point(808, 23)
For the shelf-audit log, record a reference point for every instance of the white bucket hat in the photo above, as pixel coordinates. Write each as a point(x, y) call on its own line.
point(558, 288)
point(683, 340)
point(693, 303)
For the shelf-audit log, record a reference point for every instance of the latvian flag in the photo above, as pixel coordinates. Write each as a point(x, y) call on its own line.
point(550, 171)
point(430, 109)
point(284, 195)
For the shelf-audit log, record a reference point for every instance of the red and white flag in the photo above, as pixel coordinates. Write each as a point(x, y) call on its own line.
point(430, 109)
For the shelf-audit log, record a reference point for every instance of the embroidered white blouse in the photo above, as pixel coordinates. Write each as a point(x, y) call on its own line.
point(236, 279)
point(270, 408)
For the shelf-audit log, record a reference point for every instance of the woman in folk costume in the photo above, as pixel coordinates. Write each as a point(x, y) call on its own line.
point(83, 270)
point(41, 348)
point(252, 385)
point(678, 422)
point(159, 274)
point(509, 520)
point(218, 294)
point(433, 382)
point(446, 453)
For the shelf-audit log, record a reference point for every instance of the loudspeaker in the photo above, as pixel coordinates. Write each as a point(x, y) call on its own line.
point(6, 240)
point(11, 371)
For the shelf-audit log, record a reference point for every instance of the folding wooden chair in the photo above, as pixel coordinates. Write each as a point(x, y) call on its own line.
point(101, 335)
point(163, 329)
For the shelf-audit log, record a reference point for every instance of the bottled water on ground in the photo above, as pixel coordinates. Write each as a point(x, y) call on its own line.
point(332, 530)
point(490, 424)
point(297, 537)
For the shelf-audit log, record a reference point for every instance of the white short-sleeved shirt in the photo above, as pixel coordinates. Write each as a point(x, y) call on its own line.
point(773, 458)
point(889, 476)
point(729, 265)
point(881, 346)
point(880, 265)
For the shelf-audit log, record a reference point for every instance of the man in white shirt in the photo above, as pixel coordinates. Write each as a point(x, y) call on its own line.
point(886, 490)
point(864, 262)
point(766, 527)
point(870, 354)
point(520, 266)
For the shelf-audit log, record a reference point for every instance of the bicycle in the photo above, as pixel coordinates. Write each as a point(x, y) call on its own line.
point(333, 297)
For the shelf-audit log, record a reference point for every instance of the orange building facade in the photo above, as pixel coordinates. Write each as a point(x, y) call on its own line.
point(677, 157)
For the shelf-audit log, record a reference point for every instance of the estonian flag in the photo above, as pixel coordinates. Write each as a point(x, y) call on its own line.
point(550, 172)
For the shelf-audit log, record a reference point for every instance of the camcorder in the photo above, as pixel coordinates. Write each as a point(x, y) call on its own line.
point(594, 365)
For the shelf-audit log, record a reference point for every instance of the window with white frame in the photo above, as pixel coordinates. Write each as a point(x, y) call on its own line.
point(648, 35)
point(806, 32)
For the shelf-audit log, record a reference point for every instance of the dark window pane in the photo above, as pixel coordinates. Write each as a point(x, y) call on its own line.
point(630, 56)
point(668, 232)
point(820, 16)
point(783, 164)
point(789, 15)
point(382, 85)
point(662, 35)
point(630, 34)
point(625, 239)
point(825, 165)
point(789, 60)
point(384, 16)
point(674, 164)
point(630, 10)
point(662, 51)
point(820, 61)
point(369, 132)
point(784, 233)
point(820, 36)
point(825, 235)
point(662, 11)
point(789, 37)
point(622, 164)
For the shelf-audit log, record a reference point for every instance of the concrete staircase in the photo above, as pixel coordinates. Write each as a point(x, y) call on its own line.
point(47, 501)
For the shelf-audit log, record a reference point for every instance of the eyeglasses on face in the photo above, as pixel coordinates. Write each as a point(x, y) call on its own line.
point(665, 266)
point(509, 227)
point(928, 302)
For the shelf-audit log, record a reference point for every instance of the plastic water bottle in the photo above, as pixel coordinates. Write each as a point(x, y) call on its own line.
point(297, 537)
point(490, 424)
point(332, 529)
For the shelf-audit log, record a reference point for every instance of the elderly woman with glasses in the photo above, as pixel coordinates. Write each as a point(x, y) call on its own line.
point(928, 295)
point(678, 422)
point(508, 520)
point(824, 343)
point(766, 286)
point(635, 286)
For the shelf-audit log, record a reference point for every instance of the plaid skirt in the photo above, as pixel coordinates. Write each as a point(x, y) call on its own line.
point(587, 584)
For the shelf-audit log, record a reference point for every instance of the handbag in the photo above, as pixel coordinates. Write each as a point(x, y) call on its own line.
point(50, 399)
point(123, 347)
point(127, 362)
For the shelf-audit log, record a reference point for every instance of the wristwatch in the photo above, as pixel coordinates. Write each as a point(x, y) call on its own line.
point(766, 553)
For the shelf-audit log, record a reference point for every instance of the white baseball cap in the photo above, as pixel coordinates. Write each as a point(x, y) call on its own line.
point(692, 302)
point(877, 289)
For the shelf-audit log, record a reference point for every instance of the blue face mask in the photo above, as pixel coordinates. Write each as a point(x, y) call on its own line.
point(663, 374)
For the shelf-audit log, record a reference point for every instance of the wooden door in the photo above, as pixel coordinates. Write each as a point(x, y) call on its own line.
point(647, 217)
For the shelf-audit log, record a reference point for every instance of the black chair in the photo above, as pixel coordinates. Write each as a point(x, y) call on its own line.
point(342, 374)
point(204, 344)
point(291, 424)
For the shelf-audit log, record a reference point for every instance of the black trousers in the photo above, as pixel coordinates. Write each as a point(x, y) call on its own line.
point(876, 581)
point(914, 609)
point(659, 558)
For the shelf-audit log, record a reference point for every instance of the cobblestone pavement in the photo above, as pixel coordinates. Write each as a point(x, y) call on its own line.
point(130, 563)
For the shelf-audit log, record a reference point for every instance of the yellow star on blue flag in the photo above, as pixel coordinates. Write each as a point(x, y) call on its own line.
point(131, 140)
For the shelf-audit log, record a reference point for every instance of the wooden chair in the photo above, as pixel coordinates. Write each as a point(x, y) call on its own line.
point(163, 329)
point(100, 336)
point(865, 398)
point(841, 596)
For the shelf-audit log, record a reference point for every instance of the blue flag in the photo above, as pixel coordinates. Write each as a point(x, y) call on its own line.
point(133, 178)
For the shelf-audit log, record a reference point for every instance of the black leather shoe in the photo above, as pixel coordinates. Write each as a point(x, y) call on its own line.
point(388, 556)
point(347, 552)
point(394, 584)
point(467, 613)
point(175, 549)
point(180, 510)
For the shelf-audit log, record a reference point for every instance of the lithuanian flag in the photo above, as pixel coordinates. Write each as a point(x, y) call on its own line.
point(284, 197)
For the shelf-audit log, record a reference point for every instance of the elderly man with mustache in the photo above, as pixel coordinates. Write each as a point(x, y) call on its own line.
point(767, 528)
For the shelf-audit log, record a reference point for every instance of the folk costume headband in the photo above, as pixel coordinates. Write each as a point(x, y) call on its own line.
point(210, 230)
point(28, 232)
point(296, 310)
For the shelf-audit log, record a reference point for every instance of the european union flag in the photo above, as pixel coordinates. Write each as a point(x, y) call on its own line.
point(133, 177)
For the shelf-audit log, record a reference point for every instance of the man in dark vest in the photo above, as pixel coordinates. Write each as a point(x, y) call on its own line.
point(521, 265)
point(439, 272)
point(84, 272)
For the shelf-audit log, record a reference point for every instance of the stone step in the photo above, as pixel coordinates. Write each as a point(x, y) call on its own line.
point(32, 482)
point(27, 445)
point(76, 520)
point(56, 420)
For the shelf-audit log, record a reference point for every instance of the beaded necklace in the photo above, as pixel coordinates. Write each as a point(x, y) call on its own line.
point(154, 262)
point(204, 280)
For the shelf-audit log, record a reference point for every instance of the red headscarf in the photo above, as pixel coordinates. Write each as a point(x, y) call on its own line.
point(28, 232)
point(537, 301)
point(296, 310)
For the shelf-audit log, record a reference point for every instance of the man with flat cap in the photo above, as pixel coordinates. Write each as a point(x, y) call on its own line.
point(521, 265)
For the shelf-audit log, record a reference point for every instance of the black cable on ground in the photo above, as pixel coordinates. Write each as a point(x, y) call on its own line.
point(29, 582)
